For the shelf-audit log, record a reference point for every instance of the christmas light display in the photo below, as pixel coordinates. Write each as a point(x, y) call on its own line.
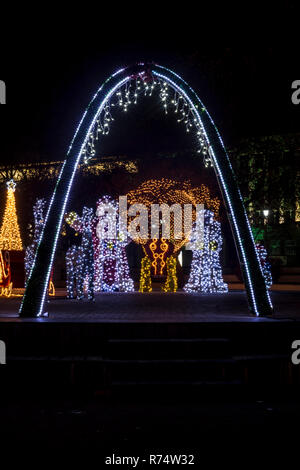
point(10, 238)
point(128, 94)
point(5, 275)
point(206, 241)
point(258, 296)
point(171, 281)
point(145, 277)
point(170, 192)
point(265, 264)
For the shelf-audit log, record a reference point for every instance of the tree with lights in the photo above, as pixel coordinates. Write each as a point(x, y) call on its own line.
point(206, 243)
point(10, 238)
point(145, 277)
point(171, 281)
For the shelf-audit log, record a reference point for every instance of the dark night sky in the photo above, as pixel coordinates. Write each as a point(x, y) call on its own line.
point(52, 75)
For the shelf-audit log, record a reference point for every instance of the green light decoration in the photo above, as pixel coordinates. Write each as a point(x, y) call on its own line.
point(122, 89)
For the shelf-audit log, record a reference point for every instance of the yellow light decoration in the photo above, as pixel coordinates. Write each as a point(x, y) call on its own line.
point(10, 238)
point(145, 278)
point(173, 192)
point(5, 277)
point(171, 281)
point(51, 289)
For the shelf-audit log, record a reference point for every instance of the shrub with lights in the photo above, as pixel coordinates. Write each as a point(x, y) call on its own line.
point(145, 276)
point(171, 280)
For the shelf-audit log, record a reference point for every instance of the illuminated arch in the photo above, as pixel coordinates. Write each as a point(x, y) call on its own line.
point(36, 289)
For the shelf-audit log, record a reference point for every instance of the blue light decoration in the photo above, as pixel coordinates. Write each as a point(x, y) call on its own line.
point(206, 242)
point(123, 89)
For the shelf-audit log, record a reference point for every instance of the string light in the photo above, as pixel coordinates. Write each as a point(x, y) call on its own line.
point(128, 94)
point(258, 296)
point(10, 238)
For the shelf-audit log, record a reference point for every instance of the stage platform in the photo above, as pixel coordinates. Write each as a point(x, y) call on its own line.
point(157, 307)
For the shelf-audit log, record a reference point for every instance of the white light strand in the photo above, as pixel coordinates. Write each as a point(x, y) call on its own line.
point(128, 94)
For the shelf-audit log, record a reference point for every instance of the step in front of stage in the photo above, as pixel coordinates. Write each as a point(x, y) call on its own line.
point(147, 358)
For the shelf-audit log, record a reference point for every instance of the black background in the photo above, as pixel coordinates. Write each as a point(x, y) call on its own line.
point(53, 64)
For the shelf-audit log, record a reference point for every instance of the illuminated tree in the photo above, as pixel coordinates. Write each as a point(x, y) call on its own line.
point(145, 277)
point(10, 238)
point(171, 281)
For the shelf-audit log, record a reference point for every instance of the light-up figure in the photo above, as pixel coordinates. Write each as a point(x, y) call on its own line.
point(206, 243)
